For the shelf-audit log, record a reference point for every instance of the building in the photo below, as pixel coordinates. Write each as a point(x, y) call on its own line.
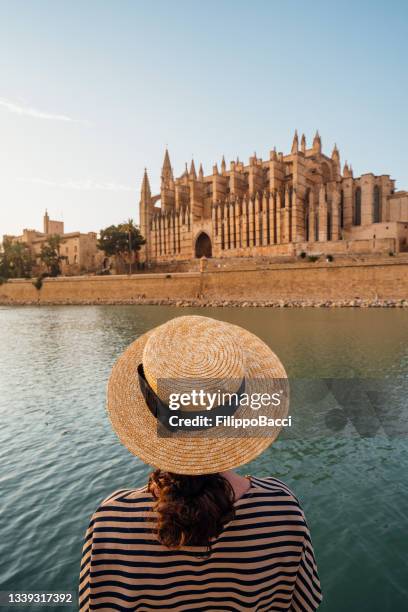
point(79, 249)
point(289, 204)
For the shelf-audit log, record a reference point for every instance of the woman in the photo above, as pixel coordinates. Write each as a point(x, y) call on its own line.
point(198, 536)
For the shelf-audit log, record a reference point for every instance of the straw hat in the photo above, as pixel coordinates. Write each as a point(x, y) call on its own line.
point(190, 348)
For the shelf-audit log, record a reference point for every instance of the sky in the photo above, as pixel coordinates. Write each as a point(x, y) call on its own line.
point(92, 92)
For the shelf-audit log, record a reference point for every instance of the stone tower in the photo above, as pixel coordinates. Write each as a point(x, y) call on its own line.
point(46, 222)
point(167, 192)
point(145, 213)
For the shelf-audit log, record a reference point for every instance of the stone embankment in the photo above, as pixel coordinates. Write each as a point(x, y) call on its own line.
point(377, 283)
point(203, 303)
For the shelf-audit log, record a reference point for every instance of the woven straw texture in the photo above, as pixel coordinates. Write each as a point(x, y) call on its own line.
point(217, 355)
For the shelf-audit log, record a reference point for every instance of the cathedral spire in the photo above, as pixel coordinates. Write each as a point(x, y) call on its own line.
point(317, 142)
point(223, 165)
point(167, 172)
point(193, 173)
point(295, 143)
point(201, 172)
point(335, 152)
point(336, 158)
point(185, 173)
point(145, 213)
point(166, 161)
point(303, 144)
point(145, 192)
point(347, 170)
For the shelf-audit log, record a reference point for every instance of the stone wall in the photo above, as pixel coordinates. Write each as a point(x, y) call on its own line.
point(311, 282)
point(382, 237)
point(102, 289)
point(385, 279)
point(398, 206)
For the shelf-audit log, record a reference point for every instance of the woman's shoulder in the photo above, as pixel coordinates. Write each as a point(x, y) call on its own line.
point(271, 497)
point(274, 487)
point(126, 498)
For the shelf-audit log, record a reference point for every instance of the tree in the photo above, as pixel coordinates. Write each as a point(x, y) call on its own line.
point(15, 260)
point(121, 240)
point(50, 254)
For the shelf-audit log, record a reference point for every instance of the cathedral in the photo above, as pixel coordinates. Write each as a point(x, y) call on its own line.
point(299, 203)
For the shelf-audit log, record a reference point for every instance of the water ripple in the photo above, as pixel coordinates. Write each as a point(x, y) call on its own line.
point(60, 458)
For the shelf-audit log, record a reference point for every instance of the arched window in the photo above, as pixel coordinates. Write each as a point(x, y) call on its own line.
point(376, 205)
point(316, 227)
point(329, 225)
point(357, 207)
point(341, 211)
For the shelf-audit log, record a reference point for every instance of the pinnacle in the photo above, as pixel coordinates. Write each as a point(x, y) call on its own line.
point(192, 169)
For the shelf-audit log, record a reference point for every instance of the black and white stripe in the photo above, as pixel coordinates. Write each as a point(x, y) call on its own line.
point(263, 560)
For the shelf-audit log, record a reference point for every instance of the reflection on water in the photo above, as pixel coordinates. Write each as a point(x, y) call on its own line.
point(60, 458)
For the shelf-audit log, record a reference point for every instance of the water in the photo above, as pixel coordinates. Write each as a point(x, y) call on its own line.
point(59, 457)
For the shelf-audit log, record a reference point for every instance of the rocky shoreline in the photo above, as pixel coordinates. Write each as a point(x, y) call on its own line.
point(213, 303)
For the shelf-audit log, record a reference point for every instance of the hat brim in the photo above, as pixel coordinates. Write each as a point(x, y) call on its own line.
point(137, 428)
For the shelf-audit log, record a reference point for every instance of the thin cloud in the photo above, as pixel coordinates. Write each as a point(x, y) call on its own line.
point(86, 185)
point(29, 111)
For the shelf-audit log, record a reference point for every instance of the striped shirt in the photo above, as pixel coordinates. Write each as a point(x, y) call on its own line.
point(262, 561)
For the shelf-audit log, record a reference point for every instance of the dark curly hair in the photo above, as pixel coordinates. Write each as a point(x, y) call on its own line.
point(191, 510)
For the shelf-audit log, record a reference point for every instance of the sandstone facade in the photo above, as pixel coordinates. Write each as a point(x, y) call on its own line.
point(79, 249)
point(291, 203)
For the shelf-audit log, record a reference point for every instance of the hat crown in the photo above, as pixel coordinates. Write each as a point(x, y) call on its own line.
point(185, 346)
point(193, 349)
